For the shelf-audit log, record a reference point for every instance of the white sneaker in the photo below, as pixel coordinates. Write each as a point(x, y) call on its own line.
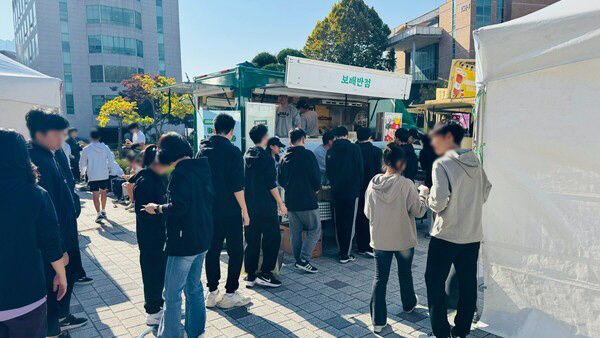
point(233, 300)
point(103, 213)
point(154, 319)
point(212, 299)
point(378, 328)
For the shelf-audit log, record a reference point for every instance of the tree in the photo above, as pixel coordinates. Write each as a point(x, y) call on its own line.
point(390, 60)
point(264, 58)
point(283, 54)
point(124, 112)
point(352, 34)
point(274, 66)
point(153, 103)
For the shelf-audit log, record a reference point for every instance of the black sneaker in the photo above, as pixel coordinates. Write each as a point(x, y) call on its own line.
point(305, 266)
point(267, 279)
point(250, 280)
point(347, 258)
point(71, 322)
point(84, 281)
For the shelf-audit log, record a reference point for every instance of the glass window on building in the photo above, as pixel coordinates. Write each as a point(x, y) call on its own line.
point(70, 103)
point(426, 63)
point(93, 14)
point(483, 13)
point(98, 101)
point(499, 11)
point(97, 73)
point(62, 9)
point(118, 73)
point(95, 43)
point(139, 48)
point(138, 20)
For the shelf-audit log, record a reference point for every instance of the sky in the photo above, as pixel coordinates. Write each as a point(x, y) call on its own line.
point(217, 34)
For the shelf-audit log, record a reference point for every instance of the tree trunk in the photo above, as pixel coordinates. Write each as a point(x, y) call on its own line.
point(120, 138)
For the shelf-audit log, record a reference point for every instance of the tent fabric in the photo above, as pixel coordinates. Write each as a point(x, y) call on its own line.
point(537, 126)
point(21, 88)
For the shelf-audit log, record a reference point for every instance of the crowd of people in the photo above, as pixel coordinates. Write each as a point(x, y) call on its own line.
point(221, 194)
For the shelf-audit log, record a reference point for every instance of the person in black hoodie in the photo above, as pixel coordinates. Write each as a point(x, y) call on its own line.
point(412, 161)
point(47, 130)
point(29, 240)
point(372, 164)
point(230, 213)
point(263, 198)
point(188, 212)
point(344, 166)
point(299, 176)
point(150, 230)
point(75, 144)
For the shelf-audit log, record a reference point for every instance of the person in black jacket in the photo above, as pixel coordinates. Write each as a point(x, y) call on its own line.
point(344, 166)
point(29, 240)
point(412, 162)
point(47, 130)
point(230, 213)
point(188, 212)
point(372, 164)
point(75, 144)
point(263, 199)
point(299, 176)
point(150, 231)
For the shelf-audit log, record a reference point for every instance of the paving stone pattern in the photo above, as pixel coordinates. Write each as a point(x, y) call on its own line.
point(331, 303)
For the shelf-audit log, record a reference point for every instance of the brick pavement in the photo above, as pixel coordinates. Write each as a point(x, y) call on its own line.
point(332, 303)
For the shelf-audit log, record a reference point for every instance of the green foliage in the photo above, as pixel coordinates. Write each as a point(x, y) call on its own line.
point(264, 58)
point(275, 66)
point(352, 34)
point(390, 60)
point(282, 55)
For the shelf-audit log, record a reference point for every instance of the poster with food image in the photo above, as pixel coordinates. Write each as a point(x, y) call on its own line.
point(462, 79)
point(205, 120)
point(391, 123)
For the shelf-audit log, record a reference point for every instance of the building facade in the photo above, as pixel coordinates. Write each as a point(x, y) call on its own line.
point(425, 46)
point(92, 45)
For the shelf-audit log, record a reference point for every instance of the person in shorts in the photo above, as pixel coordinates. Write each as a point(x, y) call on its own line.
point(95, 162)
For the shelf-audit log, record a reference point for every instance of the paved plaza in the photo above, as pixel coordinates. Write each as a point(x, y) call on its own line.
point(331, 303)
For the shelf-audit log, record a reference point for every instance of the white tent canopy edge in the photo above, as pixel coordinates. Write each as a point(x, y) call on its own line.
point(537, 125)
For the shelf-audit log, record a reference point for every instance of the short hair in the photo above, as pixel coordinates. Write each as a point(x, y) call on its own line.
point(328, 136)
point(171, 147)
point(296, 135)
point(402, 135)
point(133, 125)
point(149, 154)
point(340, 131)
point(95, 134)
point(392, 154)
point(130, 156)
point(71, 130)
point(363, 133)
point(257, 133)
point(414, 133)
point(457, 131)
point(44, 120)
point(223, 123)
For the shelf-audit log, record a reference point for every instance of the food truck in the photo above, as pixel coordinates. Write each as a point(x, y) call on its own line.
point(339, 94)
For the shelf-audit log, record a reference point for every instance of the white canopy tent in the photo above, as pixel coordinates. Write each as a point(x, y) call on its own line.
point(537, 130)
point(22, 88)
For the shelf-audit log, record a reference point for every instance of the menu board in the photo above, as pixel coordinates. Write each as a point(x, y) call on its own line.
point(205, 124)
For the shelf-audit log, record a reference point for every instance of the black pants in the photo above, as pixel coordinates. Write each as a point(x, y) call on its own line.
point(76, 264)
point(75, 169)
point(116, 187)
point(58, 309)
point(383, 263)
point(153, 261)
point(442, 254)
point(345, 217)
point(363, 233)
point(265, 229)
point(227, 229)
point(30, 325)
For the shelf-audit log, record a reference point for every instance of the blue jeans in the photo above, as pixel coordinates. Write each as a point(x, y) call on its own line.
point(383, 262)
point(183, 274)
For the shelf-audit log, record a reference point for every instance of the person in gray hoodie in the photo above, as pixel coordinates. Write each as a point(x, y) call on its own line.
point(391, 204)
point(460, 187)
point(95, 162)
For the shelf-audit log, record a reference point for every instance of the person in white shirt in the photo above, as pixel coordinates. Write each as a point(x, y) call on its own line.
point(138, 139)
point(309, 121)
point(286, 117)
point(96, 162)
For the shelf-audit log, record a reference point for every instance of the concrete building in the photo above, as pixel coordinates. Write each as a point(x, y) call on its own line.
point(92, 45)
point(425, 46)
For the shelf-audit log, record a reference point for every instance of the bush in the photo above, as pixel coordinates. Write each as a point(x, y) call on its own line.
point(282, 55)
point(274, 66)
point(264, 58)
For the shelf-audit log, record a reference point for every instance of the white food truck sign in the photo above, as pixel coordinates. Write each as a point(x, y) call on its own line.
point(330, 77)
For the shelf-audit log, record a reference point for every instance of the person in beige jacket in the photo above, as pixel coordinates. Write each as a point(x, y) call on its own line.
point(391, 205)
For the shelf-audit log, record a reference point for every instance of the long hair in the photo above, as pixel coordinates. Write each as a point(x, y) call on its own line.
point(14, 157)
